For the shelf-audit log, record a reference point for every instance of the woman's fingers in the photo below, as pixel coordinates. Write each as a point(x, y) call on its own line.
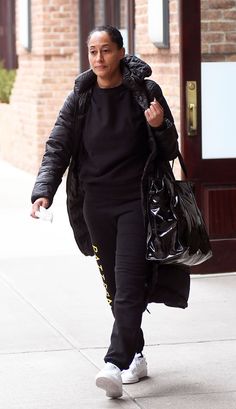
point(154, 114)
point(42, 201)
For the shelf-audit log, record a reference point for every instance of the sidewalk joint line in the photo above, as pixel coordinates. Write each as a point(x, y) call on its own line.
point(166, 343)
point(213, 275)
point(204, 341)
point(187, 394)
point(36, 351)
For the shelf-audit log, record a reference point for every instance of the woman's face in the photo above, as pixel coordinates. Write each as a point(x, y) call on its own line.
point(104, 56)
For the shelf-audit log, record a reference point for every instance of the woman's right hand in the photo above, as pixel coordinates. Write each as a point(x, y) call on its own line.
point(42, 201)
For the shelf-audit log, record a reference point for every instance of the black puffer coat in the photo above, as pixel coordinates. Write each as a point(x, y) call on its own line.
point(63, 145)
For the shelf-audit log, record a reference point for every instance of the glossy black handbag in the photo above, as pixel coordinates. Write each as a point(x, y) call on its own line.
point(176, 232)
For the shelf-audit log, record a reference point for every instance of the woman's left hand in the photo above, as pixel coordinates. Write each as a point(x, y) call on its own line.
point(154, 114)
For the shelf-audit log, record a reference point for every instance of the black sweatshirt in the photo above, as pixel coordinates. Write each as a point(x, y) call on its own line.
point(115, 141)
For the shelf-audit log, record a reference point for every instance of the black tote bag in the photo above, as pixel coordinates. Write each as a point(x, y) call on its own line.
point(176, 232)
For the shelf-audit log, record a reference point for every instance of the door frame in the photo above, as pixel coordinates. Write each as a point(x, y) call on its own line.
point(189, 29)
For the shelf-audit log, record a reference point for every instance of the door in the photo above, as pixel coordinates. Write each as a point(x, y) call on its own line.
point(208, 114)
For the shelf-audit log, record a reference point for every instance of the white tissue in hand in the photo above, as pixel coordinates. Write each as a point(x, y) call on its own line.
point(44, 214)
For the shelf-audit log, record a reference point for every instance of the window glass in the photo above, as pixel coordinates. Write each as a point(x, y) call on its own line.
point(92, 13)
point(218, 71)
point(118, 13)
point(123, 26)
point(99, 13)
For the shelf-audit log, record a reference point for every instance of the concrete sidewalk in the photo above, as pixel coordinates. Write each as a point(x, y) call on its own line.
point(55, 323)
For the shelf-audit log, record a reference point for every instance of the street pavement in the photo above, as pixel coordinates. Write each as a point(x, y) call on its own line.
point(55, 323)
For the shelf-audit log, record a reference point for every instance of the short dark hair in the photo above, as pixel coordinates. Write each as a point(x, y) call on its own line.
point(113, 32)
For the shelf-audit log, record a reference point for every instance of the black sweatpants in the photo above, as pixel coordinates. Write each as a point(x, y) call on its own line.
point(117, 231)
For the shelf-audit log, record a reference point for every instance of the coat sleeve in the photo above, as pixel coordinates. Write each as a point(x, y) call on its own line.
point(166, 135)
point(57, 154)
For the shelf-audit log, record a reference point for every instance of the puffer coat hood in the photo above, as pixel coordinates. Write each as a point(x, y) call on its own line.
point(134, 71)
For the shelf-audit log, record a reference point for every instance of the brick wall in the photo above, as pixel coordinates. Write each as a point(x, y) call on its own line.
point(218, 30)
point(46, 74)
point(44, 78)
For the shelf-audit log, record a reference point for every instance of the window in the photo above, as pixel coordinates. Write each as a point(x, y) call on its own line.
point(92, 13)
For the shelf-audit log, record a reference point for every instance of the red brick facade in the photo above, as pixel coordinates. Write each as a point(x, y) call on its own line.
point(45, 76)
point(218, 30)
point(46, 73)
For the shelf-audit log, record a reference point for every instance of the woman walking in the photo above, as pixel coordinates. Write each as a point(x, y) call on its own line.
point(110, 131)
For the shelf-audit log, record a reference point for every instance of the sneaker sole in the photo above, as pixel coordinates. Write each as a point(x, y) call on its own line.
point(111, 388)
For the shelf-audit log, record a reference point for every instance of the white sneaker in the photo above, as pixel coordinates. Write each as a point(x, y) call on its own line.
point(136, 371)
point(109, 379)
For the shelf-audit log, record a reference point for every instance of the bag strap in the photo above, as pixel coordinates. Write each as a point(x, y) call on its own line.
point(182, 164)
point(180, 157)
